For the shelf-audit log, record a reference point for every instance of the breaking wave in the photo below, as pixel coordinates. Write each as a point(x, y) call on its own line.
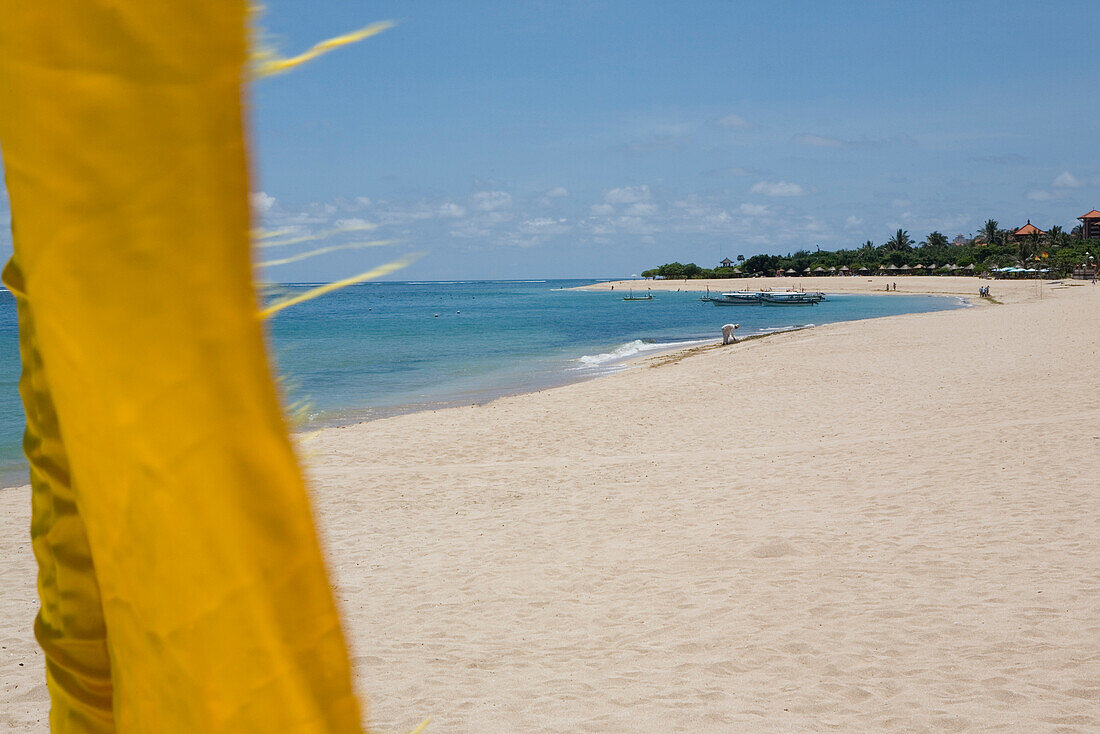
point(630, 349)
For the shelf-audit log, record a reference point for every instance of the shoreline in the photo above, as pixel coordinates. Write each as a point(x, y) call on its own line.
point(876, 525)
point(887, 548)
point(933, 285)
point(486, 396)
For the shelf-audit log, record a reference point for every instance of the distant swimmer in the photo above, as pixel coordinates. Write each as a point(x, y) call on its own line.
point(727, 333)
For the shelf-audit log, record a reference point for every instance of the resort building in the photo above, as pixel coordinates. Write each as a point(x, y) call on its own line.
point(726, 263)
point(1028, 230)
point(1090, 225)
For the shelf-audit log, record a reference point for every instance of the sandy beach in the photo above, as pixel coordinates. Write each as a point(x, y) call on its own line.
point(884, 525)
point(1004, 291)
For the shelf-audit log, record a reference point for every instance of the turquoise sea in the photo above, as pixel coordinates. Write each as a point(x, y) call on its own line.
point(380, 349)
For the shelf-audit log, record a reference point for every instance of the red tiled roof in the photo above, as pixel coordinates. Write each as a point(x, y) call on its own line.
point(1091, 215)
point(1029, 228)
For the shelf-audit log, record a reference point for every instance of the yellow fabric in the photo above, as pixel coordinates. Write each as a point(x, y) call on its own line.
point(183, 589)
point(269, 64)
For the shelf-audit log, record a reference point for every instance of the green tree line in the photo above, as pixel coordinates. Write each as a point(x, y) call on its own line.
point(992, 247)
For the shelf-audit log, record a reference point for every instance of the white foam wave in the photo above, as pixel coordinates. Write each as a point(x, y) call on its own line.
point(630, 349)
point(620, 352)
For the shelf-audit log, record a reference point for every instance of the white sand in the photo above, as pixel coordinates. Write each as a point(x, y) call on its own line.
point(886, 525)
point(1005, 291)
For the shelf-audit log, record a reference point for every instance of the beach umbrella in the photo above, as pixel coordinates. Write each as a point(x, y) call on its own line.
point(904, 267)
point(791, 271)
point(892, 267)
point(932, 266)
point(969, 267)
point(832, 269)
point(864, 270)
point(918, 266)
point(820, 269)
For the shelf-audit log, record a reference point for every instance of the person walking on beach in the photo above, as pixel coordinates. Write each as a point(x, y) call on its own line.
point(727, 334)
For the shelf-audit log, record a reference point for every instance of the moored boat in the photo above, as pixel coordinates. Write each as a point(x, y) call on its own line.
point(736, 298)
point(793, 298)
point(632, 297)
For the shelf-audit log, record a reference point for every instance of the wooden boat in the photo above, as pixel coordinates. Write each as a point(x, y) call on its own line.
point(736, 298)
point(632, 297)
point(792, 298)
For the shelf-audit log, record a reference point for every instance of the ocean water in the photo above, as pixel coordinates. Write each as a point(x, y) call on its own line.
point(380, 349)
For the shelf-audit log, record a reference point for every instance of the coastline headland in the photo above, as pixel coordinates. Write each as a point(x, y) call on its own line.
point(879, 525)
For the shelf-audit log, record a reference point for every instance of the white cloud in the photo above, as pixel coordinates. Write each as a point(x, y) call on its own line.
point(1066, 180)
point(261, 202)
point(453, 210)
point(819, 141)
point(601, 210)
point(627, 195)
point(852, 222)
point(777, 188)
point(1039, 195)
point(735, 122)
point(641, 209)
point(362, 201)
point(543, 226)
point(497, 217)
point(403, 213)
point(900, 203)
point(753, 210)
point(718, 219)
point(488, 201)
point(353, 223)
point(547, 199)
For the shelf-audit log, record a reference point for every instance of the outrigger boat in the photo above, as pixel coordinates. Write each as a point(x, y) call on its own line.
point(793, 298)
point(632, 297)
point(749, 298)
point(735, 298)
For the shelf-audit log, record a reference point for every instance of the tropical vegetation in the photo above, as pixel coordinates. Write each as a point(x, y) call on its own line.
point(1057, 251)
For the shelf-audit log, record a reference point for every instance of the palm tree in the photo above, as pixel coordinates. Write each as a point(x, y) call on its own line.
point(900, 242)
point(1028, 248)
point(936, 239)
point(1056, 236)
point(990, 231)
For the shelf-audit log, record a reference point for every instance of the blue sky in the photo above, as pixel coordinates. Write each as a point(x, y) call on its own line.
point(591, 139)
